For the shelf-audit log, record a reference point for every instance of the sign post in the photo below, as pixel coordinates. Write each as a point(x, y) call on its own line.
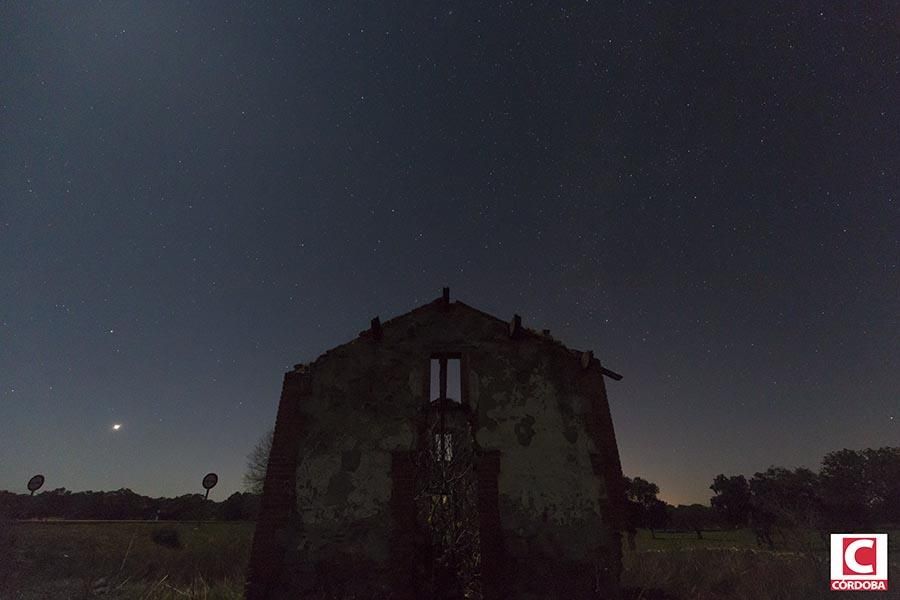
point(209, 481)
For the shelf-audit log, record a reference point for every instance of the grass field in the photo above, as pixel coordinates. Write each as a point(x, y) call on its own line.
point(121, 560)
point(727, 565)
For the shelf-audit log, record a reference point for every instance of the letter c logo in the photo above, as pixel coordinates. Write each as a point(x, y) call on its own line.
point(850, 556)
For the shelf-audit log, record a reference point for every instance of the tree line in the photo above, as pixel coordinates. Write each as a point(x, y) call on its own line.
point(126, 505)
point(852, 490)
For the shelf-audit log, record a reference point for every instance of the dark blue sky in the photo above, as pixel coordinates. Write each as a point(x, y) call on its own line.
point(194, 197)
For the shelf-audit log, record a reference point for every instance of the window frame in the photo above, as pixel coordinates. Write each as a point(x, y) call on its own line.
point(443, 371)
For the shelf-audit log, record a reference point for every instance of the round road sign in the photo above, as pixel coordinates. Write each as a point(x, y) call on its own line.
point(35, 483)
point(210, 480)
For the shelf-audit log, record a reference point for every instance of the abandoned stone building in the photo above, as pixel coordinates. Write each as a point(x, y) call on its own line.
point(444, 453)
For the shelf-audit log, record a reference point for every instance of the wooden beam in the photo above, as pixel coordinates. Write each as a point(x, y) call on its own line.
point(610, 374)
point(515, 326)
point(376, 328)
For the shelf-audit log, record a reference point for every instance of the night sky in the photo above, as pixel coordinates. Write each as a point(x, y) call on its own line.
point(195, 197)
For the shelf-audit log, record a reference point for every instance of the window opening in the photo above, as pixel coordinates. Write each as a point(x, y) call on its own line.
point(446, 379)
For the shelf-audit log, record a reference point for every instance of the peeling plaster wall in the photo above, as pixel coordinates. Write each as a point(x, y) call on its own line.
point(357, 413)
point(364, 395)
point(530, 409)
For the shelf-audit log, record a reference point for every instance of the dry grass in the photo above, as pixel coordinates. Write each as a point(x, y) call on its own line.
point(733, 573)
point(51, 561)
point(121, 560)
point(729, 566)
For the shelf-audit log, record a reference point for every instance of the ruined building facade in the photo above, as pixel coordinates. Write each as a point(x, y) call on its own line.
point(445, 453)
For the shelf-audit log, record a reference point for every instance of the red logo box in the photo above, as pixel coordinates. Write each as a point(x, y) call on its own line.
point(859, 562)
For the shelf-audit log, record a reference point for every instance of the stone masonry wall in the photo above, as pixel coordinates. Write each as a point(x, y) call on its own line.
point(537, 412)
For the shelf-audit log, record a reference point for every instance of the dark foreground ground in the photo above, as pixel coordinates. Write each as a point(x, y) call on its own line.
point(187, 561)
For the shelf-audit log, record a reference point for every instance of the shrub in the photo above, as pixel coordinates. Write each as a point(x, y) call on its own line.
point(167, 537)
point(7, 551)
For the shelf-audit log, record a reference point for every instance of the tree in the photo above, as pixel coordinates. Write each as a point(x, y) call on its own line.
point(446, 498)
point(883, 475)
point(844, 496)
point(790, 497)
point(692, 517)
point(644, 509)
point(641, 491)
point(257, 462)
point(656, 516)
point(861, 488)
point(239, 507)
point(732, 499)
point(784, 500)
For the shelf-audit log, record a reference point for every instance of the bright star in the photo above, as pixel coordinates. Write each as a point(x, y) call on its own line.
point(117, 426)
